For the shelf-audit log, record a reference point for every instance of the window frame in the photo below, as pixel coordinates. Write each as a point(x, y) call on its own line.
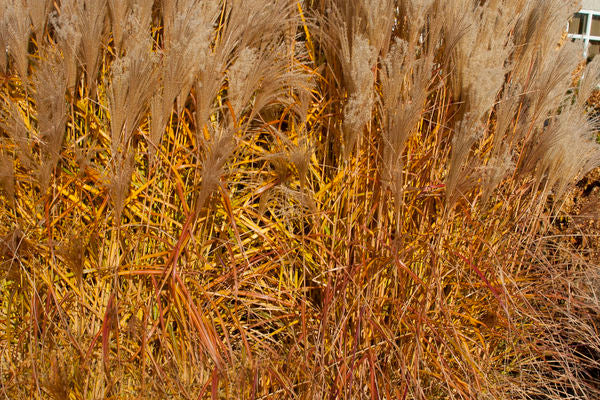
point(586, 36)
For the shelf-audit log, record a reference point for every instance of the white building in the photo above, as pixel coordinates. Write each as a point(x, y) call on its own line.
point(585, 26)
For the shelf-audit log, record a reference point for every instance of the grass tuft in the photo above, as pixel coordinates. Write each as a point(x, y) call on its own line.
point(297, 199)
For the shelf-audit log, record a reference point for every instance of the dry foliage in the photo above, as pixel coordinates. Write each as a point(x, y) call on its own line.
point(391, 199)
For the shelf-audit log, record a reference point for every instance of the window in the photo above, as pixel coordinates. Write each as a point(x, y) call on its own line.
point(595, 28)
point(577, 24)
point(585, 26)
point(593, 48)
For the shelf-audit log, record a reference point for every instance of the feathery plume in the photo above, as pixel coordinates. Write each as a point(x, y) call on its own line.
point(479, 74)
point(122, 167)
point(133, 80)
point(17, 27)
point(3, 46)
point(404, 89)
point(506, 110)
point(262, 76)
point(243, 77)
point(282, 78)
point(188, 36)
point(545, 90)
point(50, 88)
point(252, 22)
point(38, 12)
point(360, 97)
point(459, 177)
point(68, 41)
point(538, 31)
point(209, 81)
point(562, 151)
point(217, 149)
point(13, 123)
point(7, 177)
point(119, 10)
point(87, 18)
point(379, 18)
point(346, 35)
point(495, 171)
point(3, 43)
point(589, 82)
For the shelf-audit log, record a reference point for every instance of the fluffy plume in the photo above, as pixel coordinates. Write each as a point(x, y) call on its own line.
point(459, 178)
point(265, 74)
point(296, 152)
point(122, 166)
point(50, 87)
point(506, 110)
point(252, 22)
point(503, 139)
point(87, 19)
point(495, 171)
point(404, 90)
point(17, 27)
point(119, 11)
point(283, 79)
point(127, 17)
point(12, 121)
point(188, 36)
point(209, 81)
point(589, 81)
point(379, 18)
point(217, 149)
point(351, 36)
point(546, 88)
point(133, 80)
point(259, 70)
point(562, 151)
point(158, 116)
point(92, 17)
point(68, 41)
point(243, 76)
point(479, 74)
point(3, 45)
point(357, 111)
point(7, 177)
point(538, 31)
point(38, 12)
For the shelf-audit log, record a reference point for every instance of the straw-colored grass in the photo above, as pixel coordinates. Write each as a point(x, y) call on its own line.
point(316, 199)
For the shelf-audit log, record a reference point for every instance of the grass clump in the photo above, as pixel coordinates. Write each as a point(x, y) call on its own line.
point(296, 199)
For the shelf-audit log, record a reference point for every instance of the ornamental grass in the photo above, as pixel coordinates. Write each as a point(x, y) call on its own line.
point(297, 199)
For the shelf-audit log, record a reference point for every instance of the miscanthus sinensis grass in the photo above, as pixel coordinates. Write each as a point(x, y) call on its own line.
point(294, 199)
